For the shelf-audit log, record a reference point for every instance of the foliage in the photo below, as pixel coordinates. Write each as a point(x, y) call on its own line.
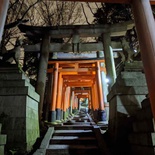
point(113, 13)
point(118, 13)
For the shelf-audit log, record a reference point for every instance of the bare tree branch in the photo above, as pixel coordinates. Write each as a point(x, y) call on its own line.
point(85, 14)
point(90, 8)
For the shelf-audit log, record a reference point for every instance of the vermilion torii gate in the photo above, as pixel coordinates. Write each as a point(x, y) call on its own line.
point(73, 80)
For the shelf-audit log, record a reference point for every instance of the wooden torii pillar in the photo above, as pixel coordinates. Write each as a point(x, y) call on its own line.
point(54, 93)
point(145, 25)
point(101, 112)
point(59, 98)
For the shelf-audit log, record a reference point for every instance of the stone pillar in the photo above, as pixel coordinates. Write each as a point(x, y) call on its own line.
point(49, 92)
point(41, 79)
point(105, 93)
point(109, 60)
point(145, 25)
point(3, 12)
point(54, 93)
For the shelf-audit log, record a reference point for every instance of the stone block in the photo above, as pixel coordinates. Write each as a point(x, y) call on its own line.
point(1, 149)
point(131, 79)
point(144, 126)
point(146, 139)
point(126, 90)
point(31, 135)
point(13, 76)
point(13, 91)
point(17, 136)
point(13, 106)
point(31, 103)
point(32, 124)
point(3, 139)
point(129, 100)
point(131, 75)
point(15, 83)
point(136, 65)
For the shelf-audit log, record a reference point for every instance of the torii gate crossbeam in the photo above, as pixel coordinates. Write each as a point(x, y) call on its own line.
point(109, 1)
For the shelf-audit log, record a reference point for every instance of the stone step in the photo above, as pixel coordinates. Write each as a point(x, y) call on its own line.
point(15, 83)
point(131, 75)
point(11, 91)
point(3, 139)
point(144, 126)
point(136, 65)
point(72, 150)
point(80, 120)
point(9, 69)
point(146, 139)
point(78, 141)
point(13, 76)
point(78, 134)
point(77, 123)
point(73, 127)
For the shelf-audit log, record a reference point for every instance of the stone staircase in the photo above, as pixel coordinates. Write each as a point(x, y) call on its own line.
point(79, 136)
point(142, 139)
point(2, 141)
point(18, 109)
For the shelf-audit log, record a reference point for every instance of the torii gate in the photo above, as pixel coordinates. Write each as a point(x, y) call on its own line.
point(144, 22)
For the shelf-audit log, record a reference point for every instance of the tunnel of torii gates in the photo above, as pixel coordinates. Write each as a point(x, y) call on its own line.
point(144, 23)
point(72, 80)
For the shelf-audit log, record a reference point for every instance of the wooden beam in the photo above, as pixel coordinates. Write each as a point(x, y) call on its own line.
point(81, 91)
point(103, 1)
point(75, 61)
point(80, 84)
point(78, 77)
point(77, 70)
point(82, 96)
point(108, 1)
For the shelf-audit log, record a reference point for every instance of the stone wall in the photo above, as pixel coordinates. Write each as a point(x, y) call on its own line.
point(125, 98)
point(2, 141)
point(18, 110)
point(142, 139)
